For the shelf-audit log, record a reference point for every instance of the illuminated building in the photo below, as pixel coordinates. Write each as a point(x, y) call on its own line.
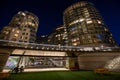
point(58, 36)
point(85, 26)
point(22, 28)
point(10, 33)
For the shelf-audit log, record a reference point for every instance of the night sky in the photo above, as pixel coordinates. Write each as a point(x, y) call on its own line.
point(50, 13)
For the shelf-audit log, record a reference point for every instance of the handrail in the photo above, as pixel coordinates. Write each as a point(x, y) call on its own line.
point(55, 47)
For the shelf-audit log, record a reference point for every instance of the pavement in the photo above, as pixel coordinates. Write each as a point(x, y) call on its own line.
point(40, 69)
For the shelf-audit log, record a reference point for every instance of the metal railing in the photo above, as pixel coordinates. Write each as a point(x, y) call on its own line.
point(54, 47)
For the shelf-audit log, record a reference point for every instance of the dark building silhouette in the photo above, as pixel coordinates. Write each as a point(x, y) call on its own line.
point(42, 39)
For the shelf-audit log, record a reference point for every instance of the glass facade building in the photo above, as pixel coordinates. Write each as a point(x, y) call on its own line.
point(58, 36)
point(22, 28)
point(85, 26)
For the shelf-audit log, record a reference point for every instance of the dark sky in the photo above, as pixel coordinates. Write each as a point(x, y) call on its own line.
point(50, 13)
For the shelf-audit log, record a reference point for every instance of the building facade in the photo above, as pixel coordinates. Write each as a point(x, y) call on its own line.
point(10, 33)
point(22, 28)
point(85, 26)
point(58, 36)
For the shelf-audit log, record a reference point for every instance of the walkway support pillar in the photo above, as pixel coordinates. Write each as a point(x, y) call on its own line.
point(3, 60)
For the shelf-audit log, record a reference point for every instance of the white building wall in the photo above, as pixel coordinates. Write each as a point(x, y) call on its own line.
point(91, 61)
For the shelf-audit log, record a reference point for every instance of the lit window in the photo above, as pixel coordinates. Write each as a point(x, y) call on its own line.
point(19, 12)
point(29, 23)
point(18, 31)
point(33, 24)
point(23, 14)
point(80, 20)
point(76, 21)
point(16, 35)
point(76, 39)
point(74, 44)
point(89, 22)
point(65, 32)
point(88, 49)
point(87, 14)
point(58, 34)
point(88, 19)
point(99, 22)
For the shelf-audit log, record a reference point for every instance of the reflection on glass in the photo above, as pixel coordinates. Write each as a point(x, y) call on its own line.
point(35, 62)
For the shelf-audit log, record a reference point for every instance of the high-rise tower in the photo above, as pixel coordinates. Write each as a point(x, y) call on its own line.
point(85, 26)
point(58, 36)
point(22, 28)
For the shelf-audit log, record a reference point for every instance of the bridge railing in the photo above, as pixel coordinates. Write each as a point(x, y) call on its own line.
point(37, 46)
point(54, 47)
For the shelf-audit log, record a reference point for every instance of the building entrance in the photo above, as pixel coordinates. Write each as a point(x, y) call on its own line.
point(40, 59)
point(36, 62)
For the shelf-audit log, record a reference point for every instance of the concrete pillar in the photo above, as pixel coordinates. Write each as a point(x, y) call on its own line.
point(3, 60)
point(70, 62)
